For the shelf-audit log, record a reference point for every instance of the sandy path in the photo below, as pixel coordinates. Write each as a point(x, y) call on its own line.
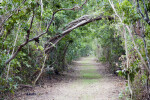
point(90, 81)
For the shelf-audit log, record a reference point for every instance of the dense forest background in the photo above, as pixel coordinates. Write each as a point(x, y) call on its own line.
point(44, 36)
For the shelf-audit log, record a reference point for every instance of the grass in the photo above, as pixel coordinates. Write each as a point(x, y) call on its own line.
point(89, 76)
point(89, 73)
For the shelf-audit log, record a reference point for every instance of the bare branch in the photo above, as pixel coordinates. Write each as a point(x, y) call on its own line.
point(33, 39)
point(41, 71)
point(74, 8)
point(140, 11)
point(132, 38)
point(8, 68)
point(52, 18)
point(145, 46)
point(41, 2)
point(75, 24)
point(145, 10)
point(50, 22)
point(1, 25)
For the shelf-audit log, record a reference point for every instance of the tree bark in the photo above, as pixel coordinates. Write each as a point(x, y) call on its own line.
point(73, 25)
point(36, 38)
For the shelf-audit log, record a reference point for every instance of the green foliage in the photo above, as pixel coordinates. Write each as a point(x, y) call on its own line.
point(103, 37)
point(129, 12)
point(102, 59)
point(108, 44)
point(7, 85)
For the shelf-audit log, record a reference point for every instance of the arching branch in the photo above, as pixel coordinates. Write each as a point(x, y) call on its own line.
point(73, 25)
point(52, 18)
point(37, 37)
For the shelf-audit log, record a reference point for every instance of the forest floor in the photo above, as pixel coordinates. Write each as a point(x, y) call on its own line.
point(88, 80)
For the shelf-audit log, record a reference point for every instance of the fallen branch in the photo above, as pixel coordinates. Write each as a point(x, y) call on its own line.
point(21, 86)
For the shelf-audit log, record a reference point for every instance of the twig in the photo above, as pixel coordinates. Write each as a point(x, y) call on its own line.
point(52, 18)
point(140, 11)
point(130, 33)
point(147, 57)
point(57, 38)
point(41, 2)
point(126, 49)
point(143, 61)
point(37, 37)
point(145, 10)
point(146, 52)
point(145, 46)
point(8, 68)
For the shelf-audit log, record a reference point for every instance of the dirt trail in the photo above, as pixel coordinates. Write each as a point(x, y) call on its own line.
point(89, 81)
